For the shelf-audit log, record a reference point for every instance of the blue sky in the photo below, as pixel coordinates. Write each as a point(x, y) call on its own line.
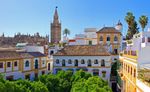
point(31, 16)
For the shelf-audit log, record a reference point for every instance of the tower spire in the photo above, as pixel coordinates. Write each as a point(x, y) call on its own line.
point(56, 16)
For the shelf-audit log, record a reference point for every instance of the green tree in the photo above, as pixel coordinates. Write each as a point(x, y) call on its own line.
point(93, 84)
point(132, 25)
point(38, 87)
point(143, 20)
point(66, 32)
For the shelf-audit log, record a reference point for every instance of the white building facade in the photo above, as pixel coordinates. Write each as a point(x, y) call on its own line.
point(88, 38)
point(75, 58)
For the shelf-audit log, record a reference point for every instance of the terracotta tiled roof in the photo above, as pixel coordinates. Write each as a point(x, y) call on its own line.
point(83, 50)
point(37, 54)
point(25, 55)
point(108, 30)
point(19, 55)
point(31, 54)
point(9, 55)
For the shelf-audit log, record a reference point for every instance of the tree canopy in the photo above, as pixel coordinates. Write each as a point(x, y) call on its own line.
point(63, 81)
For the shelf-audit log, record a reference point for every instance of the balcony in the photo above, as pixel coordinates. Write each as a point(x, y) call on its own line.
point(130, 54)
point(144, 75)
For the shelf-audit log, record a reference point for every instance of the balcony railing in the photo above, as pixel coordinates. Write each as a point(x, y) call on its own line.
point(130, 54)
point(144, 75)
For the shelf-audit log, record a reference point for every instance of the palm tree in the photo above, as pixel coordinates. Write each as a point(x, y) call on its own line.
point(66, 32)
point(132, 25)
point(129, 18)
point(143, 20)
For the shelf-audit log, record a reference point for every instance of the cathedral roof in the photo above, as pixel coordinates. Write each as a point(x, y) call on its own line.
point(108, 30)
point(83, 50)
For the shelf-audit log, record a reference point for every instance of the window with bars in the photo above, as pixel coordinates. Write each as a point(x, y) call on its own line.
point(15, 64)
point(95, 61)
point(1, 65)
point(82, 61)
point(8, 64)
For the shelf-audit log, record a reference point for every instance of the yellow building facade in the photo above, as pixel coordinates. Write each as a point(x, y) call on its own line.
point(129, 70)
point(129, 73)
point(15, 65)
point(109, 36)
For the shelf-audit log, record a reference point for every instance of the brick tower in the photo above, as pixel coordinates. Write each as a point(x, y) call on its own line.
point(55, 28)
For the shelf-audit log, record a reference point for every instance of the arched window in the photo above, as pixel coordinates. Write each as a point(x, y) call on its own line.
point(108, 38)
point(89, 62)
point(51, 52)
point(27, 63)
point(76, 62)
point(82, 61)
point(63, 62)
point(95, 61)
point(115, 38)
point(103, 62)
point(101, 38)
point(57, 61)
point(36, 64)
point(69, 61)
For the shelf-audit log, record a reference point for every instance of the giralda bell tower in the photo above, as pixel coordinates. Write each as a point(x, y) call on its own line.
point(55, 28)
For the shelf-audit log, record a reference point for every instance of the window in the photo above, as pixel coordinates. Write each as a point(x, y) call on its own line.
point(108, 38)
point(76, 62)
point(51, 52)
point(101, 38)
point(103, 62)
point(69, 61)
point(134, 73)
point(43, 72)
point(82, 61)
point(63, 62)
point(115, 38)
point(27, 64)
point(148, 39)
point(96, 61)
point(103, 74)
point(27, 76)
point(89, 62)
point(1, 65)
point(57, 61)
point(143, 40)
point(15, 63)
point(128, 69)
point(90, 42)
point(43, 62)
point(36, 64)
point(49, 66)
point(96, 72)
point(131, 71)
point(8, 64)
